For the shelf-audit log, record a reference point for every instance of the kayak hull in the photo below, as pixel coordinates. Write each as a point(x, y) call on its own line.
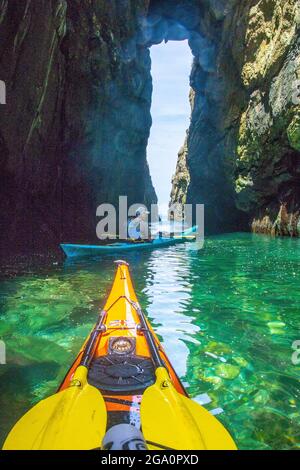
point(81, 251)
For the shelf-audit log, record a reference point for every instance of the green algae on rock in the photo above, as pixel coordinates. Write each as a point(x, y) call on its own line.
point(227, 371)
point(293, 132)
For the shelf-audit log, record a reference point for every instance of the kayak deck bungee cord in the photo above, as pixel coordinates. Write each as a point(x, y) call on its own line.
point(121, 393)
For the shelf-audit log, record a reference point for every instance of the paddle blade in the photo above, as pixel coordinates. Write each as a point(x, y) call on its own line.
point(74, 419)
point(173, 421)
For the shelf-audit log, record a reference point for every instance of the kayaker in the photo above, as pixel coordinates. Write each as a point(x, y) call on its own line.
point(138, 228)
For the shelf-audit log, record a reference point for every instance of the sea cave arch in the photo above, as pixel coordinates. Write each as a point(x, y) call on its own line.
point(203, 173)
point(119, 118)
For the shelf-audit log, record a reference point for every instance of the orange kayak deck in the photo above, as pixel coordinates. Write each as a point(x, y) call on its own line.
point(121, 366)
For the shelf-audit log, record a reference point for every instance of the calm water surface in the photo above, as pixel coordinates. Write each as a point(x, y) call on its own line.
point(227, 316)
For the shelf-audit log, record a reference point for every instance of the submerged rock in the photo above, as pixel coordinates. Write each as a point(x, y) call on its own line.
point(212, 379)
point(227, 371)
point(26, 350)
point(276, 327)
point(218, 348)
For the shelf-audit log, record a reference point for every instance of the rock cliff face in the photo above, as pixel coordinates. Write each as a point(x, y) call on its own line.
point(268, 157)
point(74, 131)
point(181, 179)
point(243, 146)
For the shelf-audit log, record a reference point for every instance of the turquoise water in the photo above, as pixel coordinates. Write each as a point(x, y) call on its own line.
point(227, 316)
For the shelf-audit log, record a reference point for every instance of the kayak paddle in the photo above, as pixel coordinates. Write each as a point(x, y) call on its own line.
point(72, 419)
point(171, 420)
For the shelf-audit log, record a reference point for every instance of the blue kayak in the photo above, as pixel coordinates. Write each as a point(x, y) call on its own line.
point(75, 250)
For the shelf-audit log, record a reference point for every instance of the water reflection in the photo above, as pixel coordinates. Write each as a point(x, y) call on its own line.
point(168, 289)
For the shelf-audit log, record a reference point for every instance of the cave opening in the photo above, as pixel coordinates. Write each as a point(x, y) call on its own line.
point(205, 168)
point(177, 179)
point(171, 63)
